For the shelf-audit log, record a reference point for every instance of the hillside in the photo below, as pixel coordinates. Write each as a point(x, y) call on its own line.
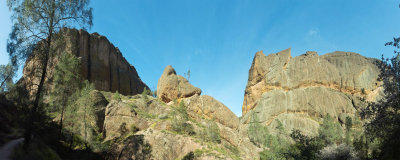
point(114, 115)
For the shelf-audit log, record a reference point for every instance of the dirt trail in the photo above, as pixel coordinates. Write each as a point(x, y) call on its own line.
point(7, 149)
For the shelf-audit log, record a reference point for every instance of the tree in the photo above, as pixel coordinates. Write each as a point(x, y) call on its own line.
point(258, 134)
point(33, 33)
point(66, 82)
point(7, 73)
point(187, 74)
point(349, 124)
point(80, 114)
point(330, 131)
point(384, 115)
point(305, 147)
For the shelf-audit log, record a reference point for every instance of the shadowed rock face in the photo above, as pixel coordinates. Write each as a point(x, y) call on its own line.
point(299, 91)
point(171, 86)
point(102, 63)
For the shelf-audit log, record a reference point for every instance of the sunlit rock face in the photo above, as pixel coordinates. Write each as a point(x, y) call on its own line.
point(300, 90)
point(171, 86)
point(102, 63)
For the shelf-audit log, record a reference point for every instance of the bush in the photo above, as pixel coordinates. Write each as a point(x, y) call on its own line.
point(133, 128)
point(183, 128)
point(305, 147)
point(117, 96)
point(212, 132)
point(189, 156)
point(337, 152)
point(330, 131)
point(258, 134)
point(179, 121)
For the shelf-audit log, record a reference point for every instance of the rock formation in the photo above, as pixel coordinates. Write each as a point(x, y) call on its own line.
point(142, 127)
point(102, 63)
point(299, 91)
point(171, 86)
point(210, 108)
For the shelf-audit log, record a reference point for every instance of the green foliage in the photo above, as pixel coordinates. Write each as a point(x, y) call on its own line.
point(211, 132)
point(349, 125)
point(338, 152)
point(183, 127)
point(116, 96)
point(145, 93)
point(189, 156)
point(180, 119)
point(330, 131)
point(35, 151)
point(363, 91)
point(35, 24)
point(233, 149)
point(66, 81)
point(258, 134)
point(384, 115)
point(134, 129)
point(305, 147)
point(361, 146)
point(80, 117)
point(7, 73)
point(187, 75)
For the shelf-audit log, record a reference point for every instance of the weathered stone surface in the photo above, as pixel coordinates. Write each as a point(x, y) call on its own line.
point(210, 108)
point(171, 86)
point(344, 71)
point(102, 63)
point(119, 119)
point(99, 106)
point(169, 146)
point(299, 91)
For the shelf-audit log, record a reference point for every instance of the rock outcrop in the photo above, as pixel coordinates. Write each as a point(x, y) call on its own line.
point(141, 127)
point(299, 91)
point(210, 108)
point(102, 63)
point(171, 86)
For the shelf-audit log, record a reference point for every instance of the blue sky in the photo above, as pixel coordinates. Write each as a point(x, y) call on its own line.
point(217, 39)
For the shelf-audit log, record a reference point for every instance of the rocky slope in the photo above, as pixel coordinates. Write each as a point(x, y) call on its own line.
point(102, 63)
point(145, 127)
point(300, 90)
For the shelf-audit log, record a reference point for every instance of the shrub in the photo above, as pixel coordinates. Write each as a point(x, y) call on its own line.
point(258, 134)
point(179, 121)
point(330, 131)
point(183, 127)
point(337, 152)
point(117, 96)
point(133, 128)
point(212, 132)
point(305, 147)
point(363, 91)
point(189, 156)
point(145, 93)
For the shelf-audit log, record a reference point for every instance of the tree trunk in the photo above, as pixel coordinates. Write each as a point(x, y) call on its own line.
point(33, 111)
point(32, 115)
point(61, 122)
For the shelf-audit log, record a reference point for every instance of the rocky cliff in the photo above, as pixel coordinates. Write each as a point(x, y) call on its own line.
point(300, 90)
point(102, 63)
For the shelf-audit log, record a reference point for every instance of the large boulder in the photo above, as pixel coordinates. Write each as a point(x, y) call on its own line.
point(102, 63)
point(210, 108)
point(300, 91)
point(171, 86)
